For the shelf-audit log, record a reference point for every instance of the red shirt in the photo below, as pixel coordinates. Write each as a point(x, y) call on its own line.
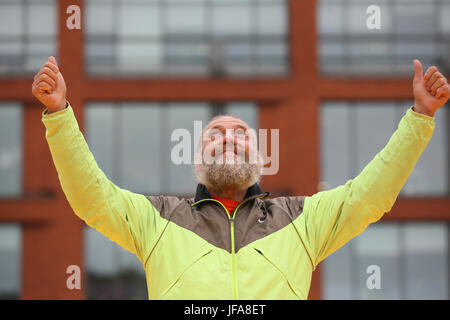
point(228, 203)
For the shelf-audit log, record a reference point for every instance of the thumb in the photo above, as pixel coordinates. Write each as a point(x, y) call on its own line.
point(53, 60)
point(418, 70)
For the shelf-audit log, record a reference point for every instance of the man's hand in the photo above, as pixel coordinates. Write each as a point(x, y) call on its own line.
point(431, 91)
point(49, 86)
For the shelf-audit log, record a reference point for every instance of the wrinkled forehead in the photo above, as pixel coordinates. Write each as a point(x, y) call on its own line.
point(222, 123)
point(226, 122)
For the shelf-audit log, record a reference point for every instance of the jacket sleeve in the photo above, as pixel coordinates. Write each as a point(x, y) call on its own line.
point(122, 216)
point(331, 218)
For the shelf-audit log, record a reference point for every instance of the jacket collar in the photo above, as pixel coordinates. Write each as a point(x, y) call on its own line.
point(253, 191)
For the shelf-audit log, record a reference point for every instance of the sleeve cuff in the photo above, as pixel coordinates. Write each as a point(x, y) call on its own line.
point(417, 114)
point(420, 124)
point(45, 113)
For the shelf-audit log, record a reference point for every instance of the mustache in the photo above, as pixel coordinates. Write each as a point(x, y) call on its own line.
point(221, 153)
point(233, 151)
point(219, 148)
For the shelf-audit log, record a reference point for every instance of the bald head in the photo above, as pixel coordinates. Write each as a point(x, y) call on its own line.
point(227, 121)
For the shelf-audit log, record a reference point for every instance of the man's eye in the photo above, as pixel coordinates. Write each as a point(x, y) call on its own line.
point(214, 136)
point(240, 134)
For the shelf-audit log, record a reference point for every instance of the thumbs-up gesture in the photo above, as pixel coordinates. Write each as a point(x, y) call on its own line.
point(431, 91)
point(49, 86)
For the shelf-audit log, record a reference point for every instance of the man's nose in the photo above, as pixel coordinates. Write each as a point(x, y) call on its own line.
point(230, 138)
point(229, 142)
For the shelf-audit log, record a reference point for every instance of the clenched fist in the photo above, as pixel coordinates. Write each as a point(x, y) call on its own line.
point(49, 86)
point(431, 91)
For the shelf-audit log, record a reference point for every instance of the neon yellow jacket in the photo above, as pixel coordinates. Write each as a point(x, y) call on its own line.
point(268, 249)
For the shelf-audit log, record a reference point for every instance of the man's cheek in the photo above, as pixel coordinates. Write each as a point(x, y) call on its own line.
point(212, 153)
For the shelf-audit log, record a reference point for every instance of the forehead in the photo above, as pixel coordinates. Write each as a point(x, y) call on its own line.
point(226, 122)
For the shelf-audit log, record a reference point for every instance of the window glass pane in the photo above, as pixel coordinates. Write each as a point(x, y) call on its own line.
point(27, 36)
point(421, 14)
point(238, 60)
point(407, 30)
point(336, 147)
point(42, 19)
point(11, 19)
point(100, 135)
point(338, 276)
point(412, 258)
point(100, 56)
point(427, 268)
point(347, 149)
point(443, 18)
point(37, 53)
point(186, 18)
point(105, 257)
point(330, 18)
point(139, 19)
point(357, 18)
point(181, 177)
point(273, 18)
point(369, 50)
point(97, 9)
point(10, 149)
point(332, 56)
point(99, 253)
point(10, 50)
point(140, 144)
point(375, 123)
point(112, 272)
point(190, 57)
point(424, 48)
point(11, 260)
point(371, 58)
point(430, 175)
point(138, 57)
point(407, 51)
point(378, 246)
point(124, 143)
point(239, 23)
point(192, 38)
point(272, 58)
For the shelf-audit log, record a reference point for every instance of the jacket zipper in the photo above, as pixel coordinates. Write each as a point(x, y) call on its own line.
point(233, 256)
point(233, 248)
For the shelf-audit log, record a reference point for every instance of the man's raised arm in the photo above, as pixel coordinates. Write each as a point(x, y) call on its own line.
point(122, 216)
point(333, 217)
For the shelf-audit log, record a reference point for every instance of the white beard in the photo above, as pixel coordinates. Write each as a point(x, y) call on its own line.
point(222, 176)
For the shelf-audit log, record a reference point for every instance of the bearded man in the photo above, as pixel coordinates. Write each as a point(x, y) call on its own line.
point(231, 241)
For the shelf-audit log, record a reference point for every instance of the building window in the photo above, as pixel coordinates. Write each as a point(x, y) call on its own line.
point(352, 133)
point(27, 35)
point(411, 258)
point(410, 29)
point(11, 260)
point(11, 156)
point(207, 38)
point(112, 272)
